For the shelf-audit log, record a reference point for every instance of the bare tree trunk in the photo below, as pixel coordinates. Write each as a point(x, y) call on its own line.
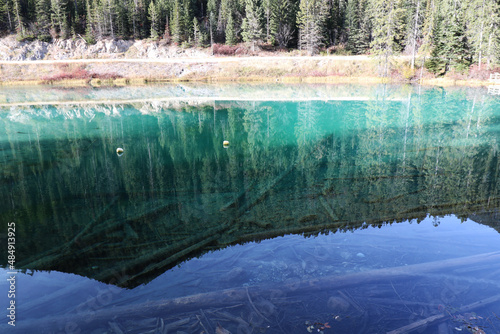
point(489, 49)
point(111, 19)
point(19, 27)
point(481, 39)
point(135, 16)
point(415, 31)
point(267, 24)
point(8, 16)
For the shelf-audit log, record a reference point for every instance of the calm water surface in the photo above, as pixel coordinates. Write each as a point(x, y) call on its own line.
point(333, 209)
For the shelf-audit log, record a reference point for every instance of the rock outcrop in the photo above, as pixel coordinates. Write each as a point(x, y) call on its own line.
point(12, 49)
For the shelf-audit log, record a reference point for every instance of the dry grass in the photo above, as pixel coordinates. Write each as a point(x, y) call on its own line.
point(328, 69)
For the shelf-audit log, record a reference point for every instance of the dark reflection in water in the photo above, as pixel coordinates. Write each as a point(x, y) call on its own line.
point(310, 168)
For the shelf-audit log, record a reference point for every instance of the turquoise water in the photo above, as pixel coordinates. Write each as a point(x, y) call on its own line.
point(354, 209)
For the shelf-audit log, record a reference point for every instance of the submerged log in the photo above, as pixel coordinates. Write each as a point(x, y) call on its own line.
point(237, 295)
point(160, 258)
point(49, 259)
point(440, 317)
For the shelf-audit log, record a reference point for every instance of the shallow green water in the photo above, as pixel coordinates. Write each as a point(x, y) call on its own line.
point(412, 172)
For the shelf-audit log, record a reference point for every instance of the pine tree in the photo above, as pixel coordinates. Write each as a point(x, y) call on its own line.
point(212, 7)
point(176, 22)
point(252, 29)
point(311, 19)
point(336, 22)
point(6, 23)
point(186, 21)
point(266, 4)
point(481, 17)
point(438, 64)
point(122, 19)
point(58, 8)
point(357, 41)
point(493, 31)
point(197, 38)
point(430, 16)
point(282, 22)
point(212, 21)
point(89, 29)
point(386, 25)
point(457, 47)
point(451, 47)
point(110, 13)
point(138, 18)
point(19, 19)
point(230, 32)
point(154, 17)
point(43, 20)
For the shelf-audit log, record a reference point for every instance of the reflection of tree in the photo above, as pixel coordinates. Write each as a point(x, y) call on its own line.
point(289, 168)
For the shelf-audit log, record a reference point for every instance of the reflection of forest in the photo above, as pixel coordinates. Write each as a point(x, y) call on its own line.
point(305, 167)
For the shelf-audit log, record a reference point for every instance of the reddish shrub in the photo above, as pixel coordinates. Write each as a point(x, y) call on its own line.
point(481, 74)
point(79, 73)
point(231, 50)
point(224, 50)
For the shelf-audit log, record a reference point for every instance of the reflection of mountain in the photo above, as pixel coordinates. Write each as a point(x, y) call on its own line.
point(291, 167)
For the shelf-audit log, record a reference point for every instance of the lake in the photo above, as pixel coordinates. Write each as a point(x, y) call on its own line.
point(199, 208)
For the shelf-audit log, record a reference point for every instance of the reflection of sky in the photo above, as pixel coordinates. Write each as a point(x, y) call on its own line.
point(265, 263)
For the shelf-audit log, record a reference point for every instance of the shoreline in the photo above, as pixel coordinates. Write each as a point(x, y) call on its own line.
point(211, 69)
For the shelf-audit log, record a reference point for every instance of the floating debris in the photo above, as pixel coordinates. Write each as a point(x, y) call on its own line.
point(225, 144)
point(316, 327)
point(119, 151)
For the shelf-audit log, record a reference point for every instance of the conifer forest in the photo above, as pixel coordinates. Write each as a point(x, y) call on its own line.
point(450, 33)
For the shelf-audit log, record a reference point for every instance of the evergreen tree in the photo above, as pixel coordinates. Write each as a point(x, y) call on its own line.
point(122, 19)
point(386, 25)
point(58, 8)
point(336, 22)
point(282, 22)
point(176, 20)
point(230, 31)
point(266, 5)
point(19, 19)
point(110, 13)
point(43, 20)
point(154, 17)
point(187, 21)
point(212, 21)
point(212, 7)
point(357, 40)
point(6, 23)
point(311, 19)
point(197, 38)
point(428, 27)
point(456, 45)
point(438, 62)
point(89, 29)
point(252, 29)
point(138, 18)
point(451, 46)
point(212, 14)
point(481, 17)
